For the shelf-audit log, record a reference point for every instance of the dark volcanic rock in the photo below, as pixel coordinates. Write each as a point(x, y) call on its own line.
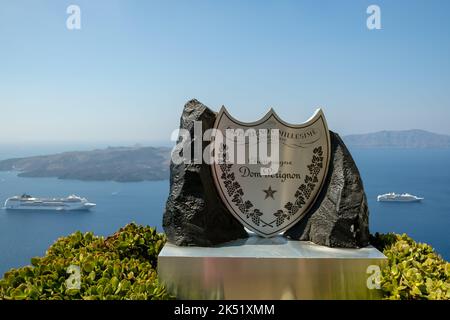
point(340, 217)
point(195, 215)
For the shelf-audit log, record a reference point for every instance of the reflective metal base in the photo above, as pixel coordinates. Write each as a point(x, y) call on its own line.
point(273, 268)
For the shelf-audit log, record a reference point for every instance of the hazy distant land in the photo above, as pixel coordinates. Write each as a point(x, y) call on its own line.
point(124, 164)
point(148, 163)
point(398, 139)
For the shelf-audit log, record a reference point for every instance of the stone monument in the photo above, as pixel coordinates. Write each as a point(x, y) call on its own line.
point(281, 208)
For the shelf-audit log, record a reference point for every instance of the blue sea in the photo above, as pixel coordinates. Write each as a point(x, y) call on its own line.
point(424, 173)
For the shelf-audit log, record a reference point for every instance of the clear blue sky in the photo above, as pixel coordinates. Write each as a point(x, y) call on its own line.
point(127, 73)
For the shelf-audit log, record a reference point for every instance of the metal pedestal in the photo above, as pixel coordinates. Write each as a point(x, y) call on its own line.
point(274, 268)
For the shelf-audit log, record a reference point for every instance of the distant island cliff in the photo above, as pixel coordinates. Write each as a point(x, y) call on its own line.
point(398, 139)
point(123, 164)
point(126, 164)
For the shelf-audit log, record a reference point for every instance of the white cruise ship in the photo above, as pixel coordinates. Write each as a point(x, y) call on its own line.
point(394, 197)
point(27, 202)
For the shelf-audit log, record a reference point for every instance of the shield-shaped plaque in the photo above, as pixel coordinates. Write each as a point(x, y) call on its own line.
point(269, 204)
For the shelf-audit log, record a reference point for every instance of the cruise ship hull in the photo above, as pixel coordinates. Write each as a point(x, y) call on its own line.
point(28, 203)
point(393, 197)
point(59, 208)
point(399, 200)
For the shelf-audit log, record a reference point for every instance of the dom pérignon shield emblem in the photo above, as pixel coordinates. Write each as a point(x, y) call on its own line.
point(269, 204)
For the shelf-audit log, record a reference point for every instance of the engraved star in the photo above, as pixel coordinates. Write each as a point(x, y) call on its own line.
point(269, 192)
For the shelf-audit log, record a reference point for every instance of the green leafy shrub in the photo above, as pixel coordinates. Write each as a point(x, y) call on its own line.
point(123, 266)
point(414, 270)
point(119, 267)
